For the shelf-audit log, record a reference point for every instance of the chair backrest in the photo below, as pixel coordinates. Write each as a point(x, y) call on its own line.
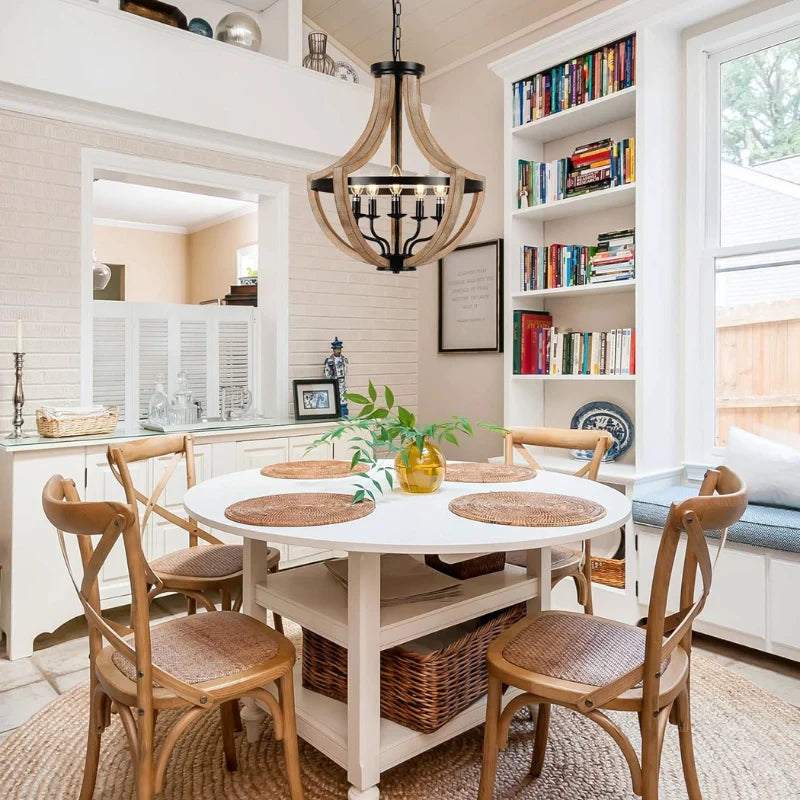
point(110, 521)
point(181, 448)
point(566, 438)
point(721, 502)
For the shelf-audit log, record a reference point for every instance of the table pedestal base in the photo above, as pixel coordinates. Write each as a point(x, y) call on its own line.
point(252, 717)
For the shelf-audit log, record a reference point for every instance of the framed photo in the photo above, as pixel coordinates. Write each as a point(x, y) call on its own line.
point(471, 299)
point(317, 398)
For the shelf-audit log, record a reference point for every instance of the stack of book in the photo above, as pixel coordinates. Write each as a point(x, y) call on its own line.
point(532, 330)
point(541, 349)
point(592, 352)
point(588, 77)
point(555, 266)
point(594, 166)
point(615, 258)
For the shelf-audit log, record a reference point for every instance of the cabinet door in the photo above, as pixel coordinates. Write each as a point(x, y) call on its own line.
point(102, 485)
point(164, 536)
point(260, 452)
point(785, 601)
point(299, 444)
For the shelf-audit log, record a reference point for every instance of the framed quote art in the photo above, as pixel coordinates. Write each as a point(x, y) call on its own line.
point(471, 299)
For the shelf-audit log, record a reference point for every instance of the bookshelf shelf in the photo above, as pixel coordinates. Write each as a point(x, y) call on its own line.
point(573, 377)
point(602, 111)
point(588, 290)
point(590, 203)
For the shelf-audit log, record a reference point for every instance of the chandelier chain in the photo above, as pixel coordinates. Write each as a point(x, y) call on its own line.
point(396, 31)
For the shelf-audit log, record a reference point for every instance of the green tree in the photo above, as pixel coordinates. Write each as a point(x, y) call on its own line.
point(761, 104)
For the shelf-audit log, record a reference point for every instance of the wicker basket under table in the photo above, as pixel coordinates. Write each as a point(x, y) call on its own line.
point(421, 691)
point(609, 571)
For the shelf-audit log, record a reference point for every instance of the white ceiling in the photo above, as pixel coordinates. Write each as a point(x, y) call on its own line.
point(435, 33)
point(254, 5)
point(140, 205)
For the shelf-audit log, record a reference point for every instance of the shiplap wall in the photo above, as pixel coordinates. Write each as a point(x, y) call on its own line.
point(375, 314)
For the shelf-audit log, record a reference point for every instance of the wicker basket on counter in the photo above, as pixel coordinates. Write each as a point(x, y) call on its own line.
point(608, 571)
point(471, 567)
point(421, 691)
point(94, 425)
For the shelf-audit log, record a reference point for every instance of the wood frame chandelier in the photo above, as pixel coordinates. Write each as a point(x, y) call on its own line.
point(397, 90)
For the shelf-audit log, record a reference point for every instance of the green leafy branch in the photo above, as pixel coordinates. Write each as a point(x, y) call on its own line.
point(382, 429)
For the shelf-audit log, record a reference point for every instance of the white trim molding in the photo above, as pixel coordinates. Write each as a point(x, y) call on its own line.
point(271, 351)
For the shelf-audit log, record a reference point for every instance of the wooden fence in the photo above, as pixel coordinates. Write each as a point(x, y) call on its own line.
point(758, 369)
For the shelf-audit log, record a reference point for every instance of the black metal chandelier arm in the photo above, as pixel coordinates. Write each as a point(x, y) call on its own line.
point(412, 245)
point(412, 239)
point(379, 240)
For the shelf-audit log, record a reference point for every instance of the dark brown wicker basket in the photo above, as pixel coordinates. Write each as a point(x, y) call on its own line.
point(609, 571)
point(422, 691)
point(471, 568)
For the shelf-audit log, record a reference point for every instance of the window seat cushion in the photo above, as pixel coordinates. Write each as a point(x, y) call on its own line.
point(760, 526)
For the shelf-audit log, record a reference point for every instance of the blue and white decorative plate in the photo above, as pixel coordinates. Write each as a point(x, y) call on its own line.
point(603, 416)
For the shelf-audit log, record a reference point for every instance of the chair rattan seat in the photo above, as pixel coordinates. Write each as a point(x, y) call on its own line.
point(577, 648)
point(560, 557)
point(204, 647)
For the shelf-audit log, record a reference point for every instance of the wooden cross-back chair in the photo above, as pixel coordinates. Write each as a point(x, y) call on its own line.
point(589, 664)
point(566, 562)
point(200, 663)
point(195, 570)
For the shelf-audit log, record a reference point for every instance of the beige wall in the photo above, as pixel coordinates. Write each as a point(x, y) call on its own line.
point(212, 256)
point(156, 263)
point(467, 120)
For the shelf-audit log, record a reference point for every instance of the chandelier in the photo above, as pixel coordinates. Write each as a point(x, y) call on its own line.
point(393, 240)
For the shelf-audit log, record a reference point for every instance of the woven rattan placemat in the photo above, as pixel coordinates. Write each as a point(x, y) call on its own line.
point(298, 509)
point(311, 470)
point(527, 509)
point(480, 472)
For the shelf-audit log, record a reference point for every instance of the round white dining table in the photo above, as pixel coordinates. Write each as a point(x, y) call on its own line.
point(356, 737)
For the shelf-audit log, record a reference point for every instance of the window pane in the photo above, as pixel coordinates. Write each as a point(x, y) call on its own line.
point(758, 342)
point(760, 146)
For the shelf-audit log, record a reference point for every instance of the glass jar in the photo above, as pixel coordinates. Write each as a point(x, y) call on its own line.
point(317, 58)
point(158, 407)
point(424, 472)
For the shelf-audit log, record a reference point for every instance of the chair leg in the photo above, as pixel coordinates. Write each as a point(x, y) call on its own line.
point(490, 745)
point(652, 728)
point(97, 708)
point(540, 739)
point(145, 768)
point(225, 599)
point(278, 620)
point(588, 605)
point(687, 747)
point(191, 605)
point(291, 754)
point(237, 716)
point(228, 743)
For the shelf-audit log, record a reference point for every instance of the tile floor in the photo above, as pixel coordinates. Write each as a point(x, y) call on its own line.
point(60, 662)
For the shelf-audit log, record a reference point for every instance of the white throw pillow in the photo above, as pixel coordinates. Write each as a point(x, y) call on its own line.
point(771, 470)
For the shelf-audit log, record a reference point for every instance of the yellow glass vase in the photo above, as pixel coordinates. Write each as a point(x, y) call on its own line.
point(425, 471)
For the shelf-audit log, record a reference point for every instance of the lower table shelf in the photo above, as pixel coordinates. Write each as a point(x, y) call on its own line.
point(322, 722)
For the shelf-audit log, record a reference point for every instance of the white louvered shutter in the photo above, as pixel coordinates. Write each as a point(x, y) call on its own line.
point(194, 357)
point(153, 358)
point(109, 362)
point(234, 355)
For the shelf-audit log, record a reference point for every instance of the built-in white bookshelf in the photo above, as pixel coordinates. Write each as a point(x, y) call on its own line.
point(648, 303)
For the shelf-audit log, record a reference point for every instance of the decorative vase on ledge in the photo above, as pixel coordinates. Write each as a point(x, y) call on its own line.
point(424, 472)
point(317, 58)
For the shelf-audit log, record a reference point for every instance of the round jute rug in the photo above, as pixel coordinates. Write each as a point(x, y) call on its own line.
point(747, 745)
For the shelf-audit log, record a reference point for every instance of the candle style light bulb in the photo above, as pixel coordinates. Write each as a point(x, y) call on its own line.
point(440, 190)
point(356, 189)
point(420, 191)
point(396, 188)
point(372, 190)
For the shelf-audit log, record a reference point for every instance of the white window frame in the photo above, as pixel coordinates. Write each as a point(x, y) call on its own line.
point(271, 345)
point(241, 254)
point(704, 55)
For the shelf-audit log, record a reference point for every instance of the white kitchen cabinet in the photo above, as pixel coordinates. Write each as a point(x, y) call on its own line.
point(102, 485)
point(36, 595)
point(254, 455)
point(299, 444)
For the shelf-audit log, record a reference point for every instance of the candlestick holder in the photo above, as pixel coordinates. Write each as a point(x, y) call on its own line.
point(19, 398)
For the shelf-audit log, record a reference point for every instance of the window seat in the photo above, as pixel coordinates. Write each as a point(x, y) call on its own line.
point(755, 594)
point(761, 526)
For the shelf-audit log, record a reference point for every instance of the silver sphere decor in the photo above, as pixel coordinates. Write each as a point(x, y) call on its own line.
point(239, 29)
